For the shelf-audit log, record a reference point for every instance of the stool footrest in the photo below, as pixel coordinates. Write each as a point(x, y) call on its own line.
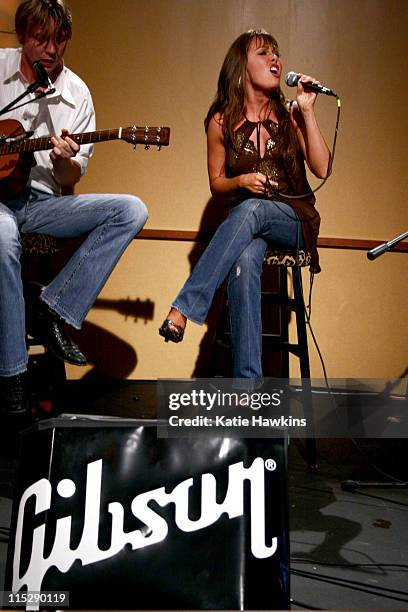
point(278, 299)
point(276, 343)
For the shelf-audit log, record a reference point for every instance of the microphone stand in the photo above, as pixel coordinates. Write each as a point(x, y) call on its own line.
point(386, 246)
point(352, 485)
point(30, 89)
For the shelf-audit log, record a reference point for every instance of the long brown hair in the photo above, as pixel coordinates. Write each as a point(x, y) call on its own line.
point(229, 101)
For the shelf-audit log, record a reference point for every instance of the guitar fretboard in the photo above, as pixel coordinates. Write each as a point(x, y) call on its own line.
point(44, 143)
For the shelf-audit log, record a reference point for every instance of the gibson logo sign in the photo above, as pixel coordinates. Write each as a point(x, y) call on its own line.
point(62, 556)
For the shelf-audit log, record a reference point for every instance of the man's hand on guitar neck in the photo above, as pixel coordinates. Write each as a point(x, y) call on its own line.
point(66, 170)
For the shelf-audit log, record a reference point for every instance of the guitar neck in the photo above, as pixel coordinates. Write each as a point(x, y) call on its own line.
point(13, 138)
point(44, 143)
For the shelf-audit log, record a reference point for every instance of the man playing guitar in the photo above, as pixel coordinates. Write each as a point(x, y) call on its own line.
point(109, 222)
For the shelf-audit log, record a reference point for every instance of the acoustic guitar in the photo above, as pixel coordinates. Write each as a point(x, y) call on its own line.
point(17, 148)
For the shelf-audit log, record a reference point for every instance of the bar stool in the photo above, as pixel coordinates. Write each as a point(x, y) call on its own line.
point(284, 259)
point(46, 373)
point(277, 307)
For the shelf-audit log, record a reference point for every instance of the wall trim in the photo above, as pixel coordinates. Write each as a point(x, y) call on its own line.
point(357, 244)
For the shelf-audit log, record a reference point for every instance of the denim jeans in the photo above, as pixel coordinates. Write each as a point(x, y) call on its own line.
point(237, 248)
point(109, 222)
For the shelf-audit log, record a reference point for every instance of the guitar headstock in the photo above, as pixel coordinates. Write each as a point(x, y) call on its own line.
point(146, 135)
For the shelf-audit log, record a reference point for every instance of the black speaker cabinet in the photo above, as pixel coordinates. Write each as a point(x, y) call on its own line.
point(120, 519)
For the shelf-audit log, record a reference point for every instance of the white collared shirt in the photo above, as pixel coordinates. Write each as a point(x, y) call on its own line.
point(69, 107)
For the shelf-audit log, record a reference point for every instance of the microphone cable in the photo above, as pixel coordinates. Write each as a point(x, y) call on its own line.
point(308, 309)
point(329, 169)
point(354, 585)
point(373, 465)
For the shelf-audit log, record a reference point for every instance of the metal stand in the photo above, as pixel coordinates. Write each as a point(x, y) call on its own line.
point(11, 105)
point(42, 81)
point(352, 485)
point(386, 246)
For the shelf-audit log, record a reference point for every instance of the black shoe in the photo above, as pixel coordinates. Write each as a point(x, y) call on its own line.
point(45, 324)
point(14, 398)
point(171, 331)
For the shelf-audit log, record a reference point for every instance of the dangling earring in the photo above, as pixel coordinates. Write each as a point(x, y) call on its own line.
point(240, 81)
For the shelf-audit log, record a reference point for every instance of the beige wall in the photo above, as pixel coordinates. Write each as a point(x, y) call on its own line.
point(7, 10)
point(157, 62)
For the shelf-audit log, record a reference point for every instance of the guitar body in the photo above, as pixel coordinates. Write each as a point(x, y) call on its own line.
point(17, 177)
point(16, 149)
point(14, 167)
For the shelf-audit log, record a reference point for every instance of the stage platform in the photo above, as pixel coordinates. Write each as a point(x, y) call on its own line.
point(348, 550)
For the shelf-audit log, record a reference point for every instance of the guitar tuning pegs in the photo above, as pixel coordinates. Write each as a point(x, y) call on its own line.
point(134, 130)
point(146, 137)
point(158, 138)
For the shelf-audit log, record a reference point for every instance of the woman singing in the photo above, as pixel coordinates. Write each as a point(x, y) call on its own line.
point(257, 148)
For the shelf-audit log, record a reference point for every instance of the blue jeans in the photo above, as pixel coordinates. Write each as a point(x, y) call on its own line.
point(109, 222)
point(237, 248)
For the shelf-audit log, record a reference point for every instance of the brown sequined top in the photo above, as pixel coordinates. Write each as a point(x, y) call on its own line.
point(243, 157)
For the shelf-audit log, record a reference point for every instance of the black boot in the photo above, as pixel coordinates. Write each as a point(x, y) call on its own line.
point(14, 400)
point(45, 324)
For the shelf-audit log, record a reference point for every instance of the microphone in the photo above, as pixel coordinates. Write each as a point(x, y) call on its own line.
point(292, 79)
point(386, 246)
point(42, 77)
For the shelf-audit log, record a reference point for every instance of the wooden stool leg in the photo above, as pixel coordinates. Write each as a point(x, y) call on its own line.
point(311, 454)
point(47, 380)
point(284, 315)
point(46, 373)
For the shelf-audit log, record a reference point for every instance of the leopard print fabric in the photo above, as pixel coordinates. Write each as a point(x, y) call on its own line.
point(280, 257)
point(40, 244)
